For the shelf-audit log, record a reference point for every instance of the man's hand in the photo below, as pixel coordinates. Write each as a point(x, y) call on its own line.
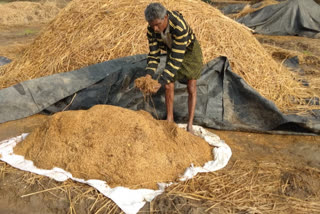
point(156, 87)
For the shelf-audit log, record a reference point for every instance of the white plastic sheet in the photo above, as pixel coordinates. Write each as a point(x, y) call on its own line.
point(130, 201)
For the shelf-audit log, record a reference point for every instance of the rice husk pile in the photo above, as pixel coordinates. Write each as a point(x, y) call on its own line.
point(121, 146)
point(92, 31)
point(26, 13)
point(147, 85)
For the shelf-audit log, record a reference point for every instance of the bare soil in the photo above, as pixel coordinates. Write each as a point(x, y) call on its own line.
point(292, 155)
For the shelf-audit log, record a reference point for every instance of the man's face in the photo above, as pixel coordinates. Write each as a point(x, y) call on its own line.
point(159, 25)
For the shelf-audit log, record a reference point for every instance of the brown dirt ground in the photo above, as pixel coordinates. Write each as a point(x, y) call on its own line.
point(22, 192)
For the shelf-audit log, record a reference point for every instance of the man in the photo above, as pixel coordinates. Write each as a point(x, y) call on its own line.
point(169, 31)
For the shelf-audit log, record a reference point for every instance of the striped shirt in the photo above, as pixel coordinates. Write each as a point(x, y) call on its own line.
point(182, 37)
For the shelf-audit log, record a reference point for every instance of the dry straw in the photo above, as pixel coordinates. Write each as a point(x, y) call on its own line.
point(80, 197)
point(310, 63)
point(243, 187)
point(26, 13)
point(12, 51)
point(248, 187)
point(91, 31)
point(249, 9)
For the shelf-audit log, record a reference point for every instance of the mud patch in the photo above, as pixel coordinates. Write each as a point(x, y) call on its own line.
point(298, 184)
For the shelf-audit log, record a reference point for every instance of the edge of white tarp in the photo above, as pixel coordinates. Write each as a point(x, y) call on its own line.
point(129, 200)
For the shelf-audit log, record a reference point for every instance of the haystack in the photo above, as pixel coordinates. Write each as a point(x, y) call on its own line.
point(91, 31)
point(27, 13)
point(121, 146)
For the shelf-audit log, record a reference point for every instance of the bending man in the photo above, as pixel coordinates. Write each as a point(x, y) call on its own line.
point(168, 31)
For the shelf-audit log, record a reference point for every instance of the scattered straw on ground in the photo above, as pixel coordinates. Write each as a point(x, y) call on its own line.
point(283, 54)
point(249, 9)
point(310, 74)
point(120, 146)
point(243, 186)
point(147, 85)
point(247, 187)
point(92, 31)
point(64, 197)
point(12, 51)
point(26, 13)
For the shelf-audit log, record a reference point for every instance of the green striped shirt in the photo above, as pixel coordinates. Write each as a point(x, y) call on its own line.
point(182, 37)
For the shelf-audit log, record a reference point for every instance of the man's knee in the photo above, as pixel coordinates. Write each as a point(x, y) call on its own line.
point(169, 86)
point(192, 87)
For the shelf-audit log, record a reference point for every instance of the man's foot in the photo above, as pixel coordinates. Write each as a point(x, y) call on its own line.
point(170, 119)
point(190, 129)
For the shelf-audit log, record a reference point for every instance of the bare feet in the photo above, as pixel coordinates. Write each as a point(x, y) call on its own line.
point(169, 119)
point(190, 129)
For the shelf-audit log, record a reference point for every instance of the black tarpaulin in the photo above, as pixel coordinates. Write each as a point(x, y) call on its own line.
point(224, 100)
point(291, 17)
point(4, 60)
point(232, 8)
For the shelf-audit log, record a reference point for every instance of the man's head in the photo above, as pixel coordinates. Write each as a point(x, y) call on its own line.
point(157, 17)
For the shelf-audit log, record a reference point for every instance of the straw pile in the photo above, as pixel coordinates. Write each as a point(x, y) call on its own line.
point(92, 31)
point(283, 54)
point(309, 63)
point(120, 146)
point(12, 51)
point(26, 13)
point(248, 9)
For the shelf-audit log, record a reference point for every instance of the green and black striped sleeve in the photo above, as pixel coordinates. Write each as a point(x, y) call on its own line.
point(180, 39)
point(154, 53)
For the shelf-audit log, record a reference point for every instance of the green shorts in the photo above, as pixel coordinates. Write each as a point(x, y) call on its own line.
point(191, 65)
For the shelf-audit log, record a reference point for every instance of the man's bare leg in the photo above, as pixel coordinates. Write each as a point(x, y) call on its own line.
point(192, 99)
point(169, 100)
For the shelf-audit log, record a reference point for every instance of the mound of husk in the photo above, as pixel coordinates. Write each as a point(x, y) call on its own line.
point(120, 146)
point(92, 31)
point(26, 13)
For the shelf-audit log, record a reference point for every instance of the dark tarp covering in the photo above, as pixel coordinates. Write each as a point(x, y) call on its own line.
point(225, 101)
point(232, 8)
point(292, 17)
point(4, 60)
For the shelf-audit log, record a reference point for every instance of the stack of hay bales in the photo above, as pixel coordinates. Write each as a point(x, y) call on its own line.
point(91, 31)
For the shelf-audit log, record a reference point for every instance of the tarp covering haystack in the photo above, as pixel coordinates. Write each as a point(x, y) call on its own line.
point(292, 17)
point(92, 31)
